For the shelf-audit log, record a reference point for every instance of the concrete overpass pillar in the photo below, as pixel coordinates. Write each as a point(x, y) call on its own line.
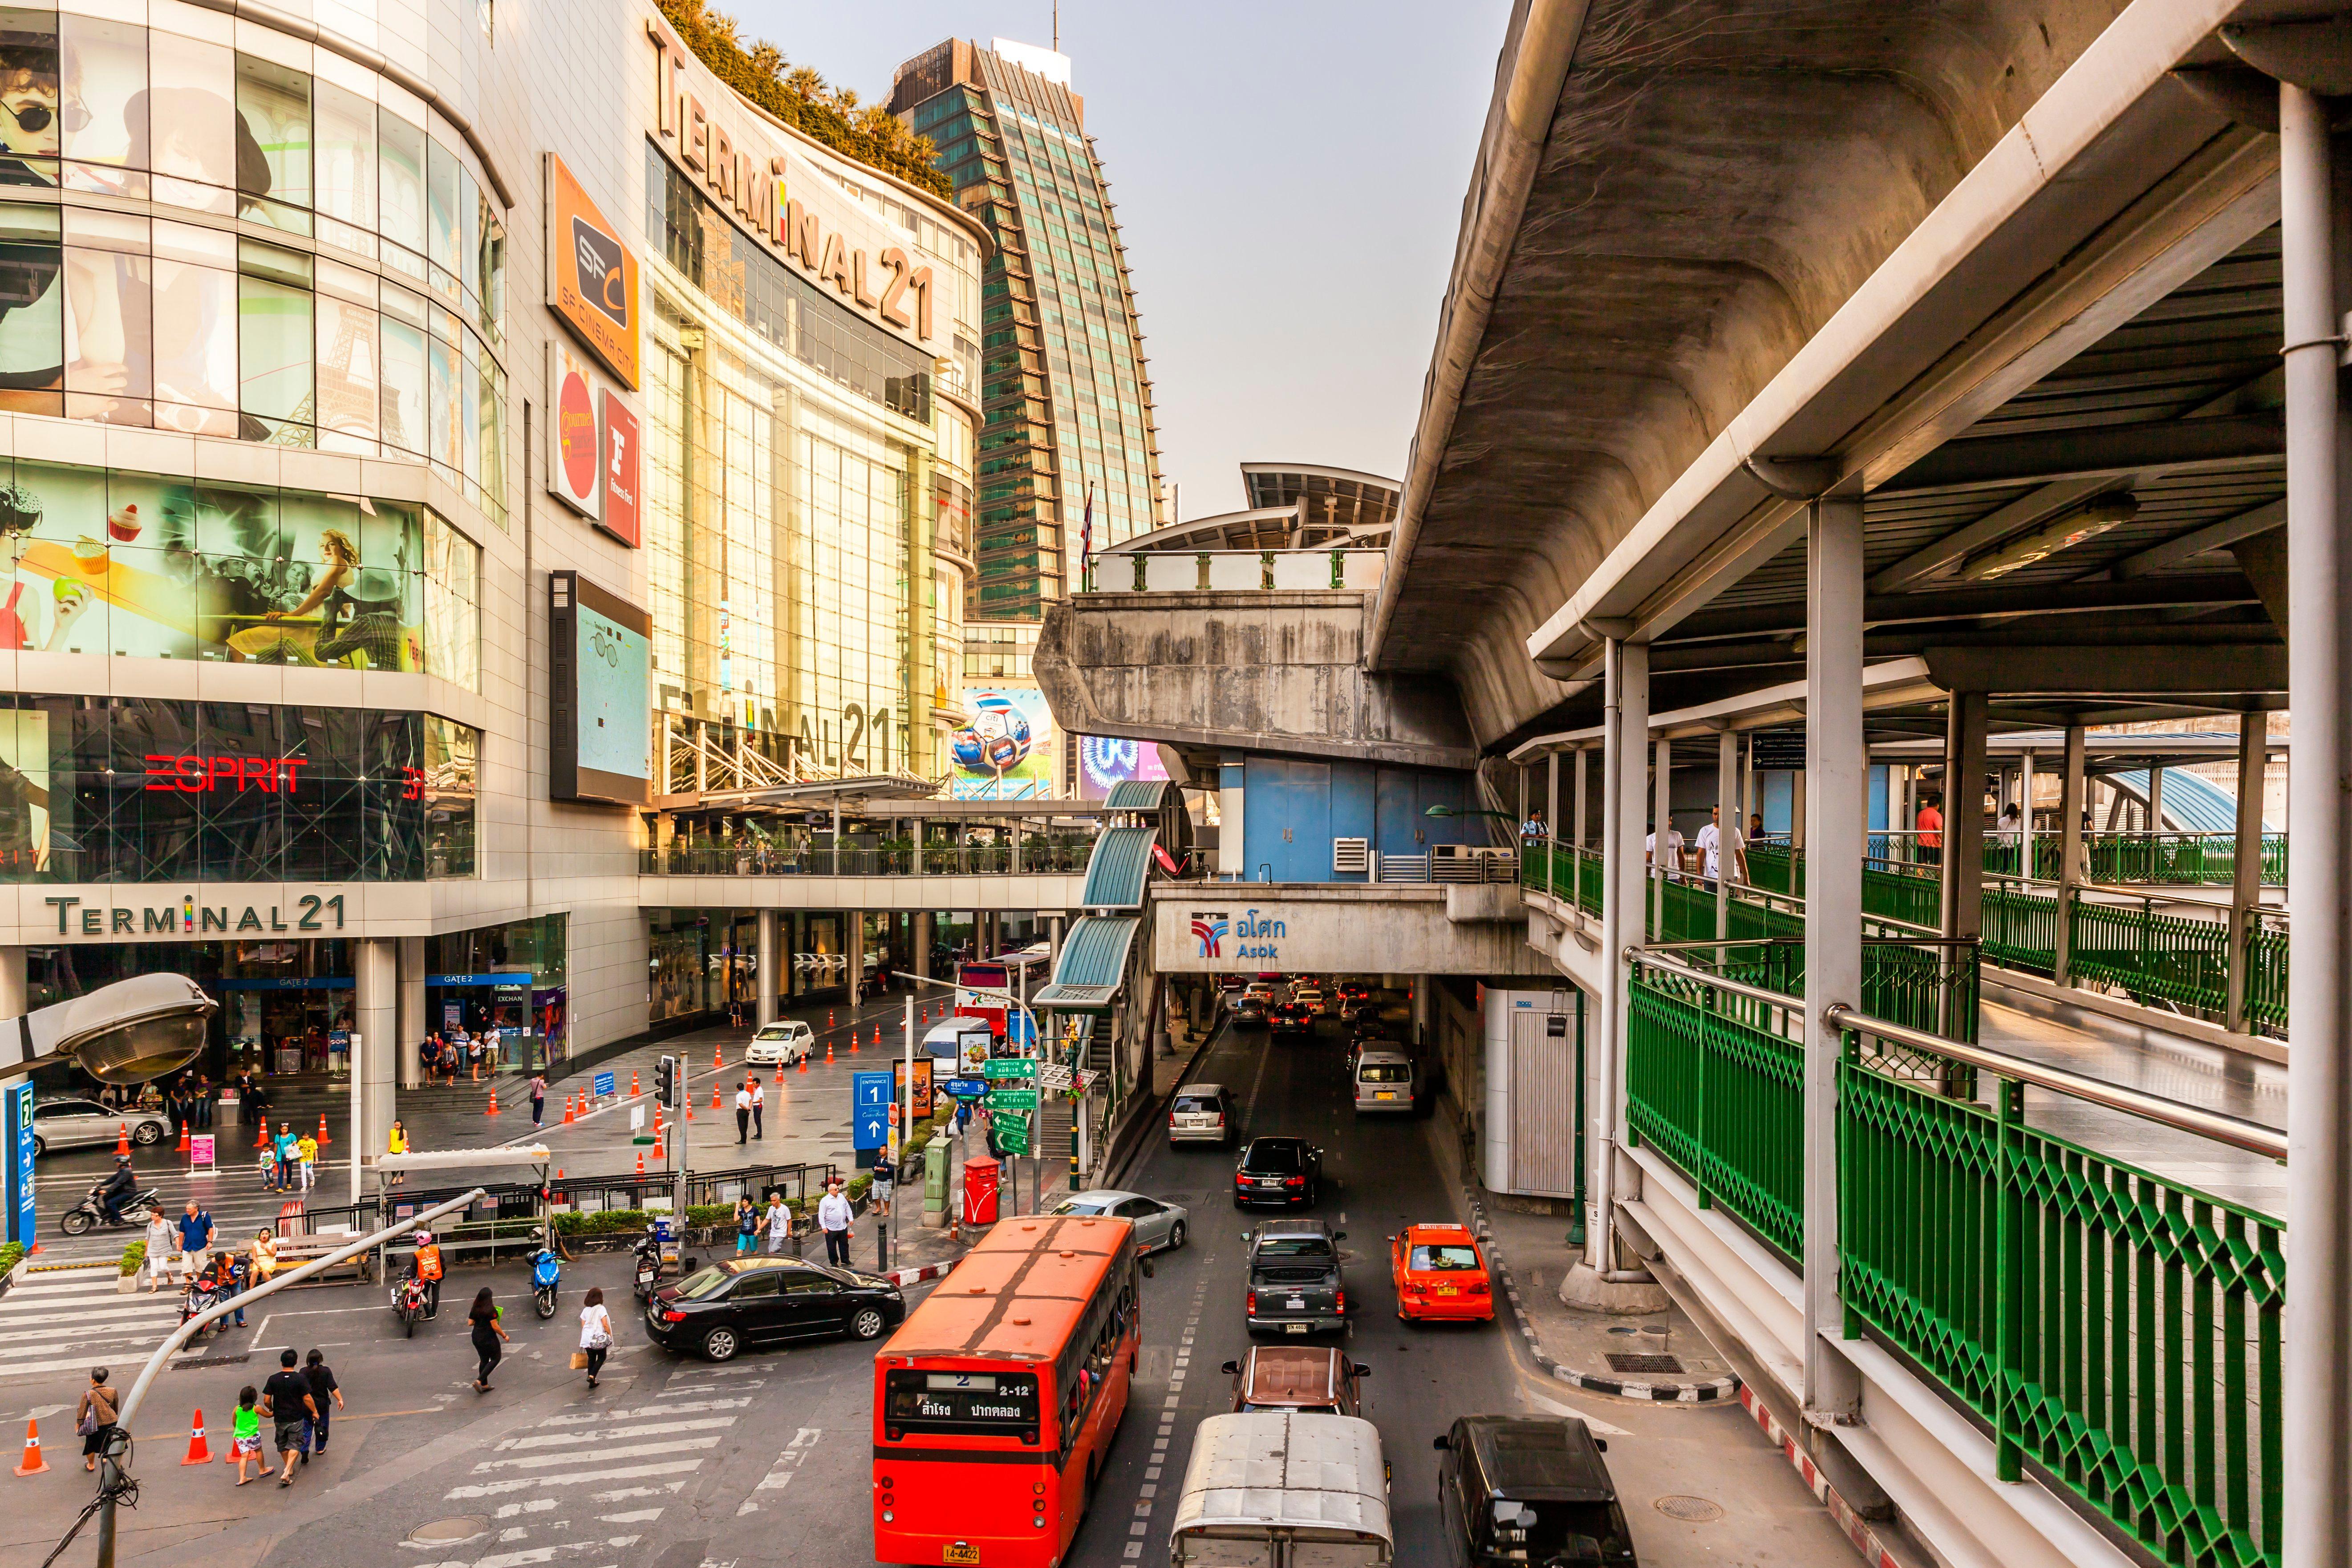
point(1964, 818)
point(1583, 807)
point(1662, 861)
point(926, 935)
point(375, 1019)
point(1837, 771)
point(1727, 826)
point(771, 964)
point(1626, 762)
point(408, 1014)
point(2071, 808)
point(2246, 868)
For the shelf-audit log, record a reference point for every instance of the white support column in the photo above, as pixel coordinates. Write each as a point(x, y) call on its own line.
point(1799, 809)
point(1552, 796)
point(2025, 815)
point(2072, 804)
point(1582, 806)
point(2317, 1412)
point(1728, 827)
point(2155, 789)
point(409, 1027)
point(1624, 772)
point(1837, 774)
point(2246, 866)
point(376, 1049)
point(1661, 821)
point(770, 967)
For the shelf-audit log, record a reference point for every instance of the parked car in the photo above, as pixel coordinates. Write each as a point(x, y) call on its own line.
point(1440, 1274)
point(1285, 1172)
point(1512, 1490)
point(1385, 1081)
point(86, 1124)
point(1295, 1282)
point(1203, 1113)
point(780, 1044)
point(1311, 1379)
point(1158, 1226)
point(1292, 1019)
point(744, 1302)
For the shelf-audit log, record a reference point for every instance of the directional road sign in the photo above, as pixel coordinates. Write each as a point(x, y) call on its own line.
point(1012, 1100)
point(1000, 1068)
point(966, 1087)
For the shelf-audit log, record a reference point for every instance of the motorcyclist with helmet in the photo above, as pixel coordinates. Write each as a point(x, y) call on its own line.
point(118, 1189)
point(426, 1265)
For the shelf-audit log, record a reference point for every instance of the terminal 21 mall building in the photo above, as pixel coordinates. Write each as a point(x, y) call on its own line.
point(412, 440)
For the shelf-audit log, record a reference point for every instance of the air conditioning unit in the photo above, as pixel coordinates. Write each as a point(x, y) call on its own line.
point(1351, 854)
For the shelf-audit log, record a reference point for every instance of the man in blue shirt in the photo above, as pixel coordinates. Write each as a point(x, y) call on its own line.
point(195, 1227)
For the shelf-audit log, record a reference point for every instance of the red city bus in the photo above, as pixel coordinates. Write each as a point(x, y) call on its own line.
point(995, 1401)
point(1016, 973)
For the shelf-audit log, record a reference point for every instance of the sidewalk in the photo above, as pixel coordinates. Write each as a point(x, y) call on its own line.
point(1654, 1355)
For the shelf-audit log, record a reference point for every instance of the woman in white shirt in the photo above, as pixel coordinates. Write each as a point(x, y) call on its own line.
point(595, 1332)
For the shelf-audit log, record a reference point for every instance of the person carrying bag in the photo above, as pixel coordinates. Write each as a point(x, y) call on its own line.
point(595, 1335)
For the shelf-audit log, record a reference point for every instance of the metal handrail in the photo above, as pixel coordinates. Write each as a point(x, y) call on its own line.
point(1655, 960)
point(2220, 1126)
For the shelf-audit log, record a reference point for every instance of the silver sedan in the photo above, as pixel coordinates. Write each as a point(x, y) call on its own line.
point(85, 1124)
point(1158, 1227)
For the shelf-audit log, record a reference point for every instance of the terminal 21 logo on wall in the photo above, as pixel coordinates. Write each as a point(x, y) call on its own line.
point(1209, 929)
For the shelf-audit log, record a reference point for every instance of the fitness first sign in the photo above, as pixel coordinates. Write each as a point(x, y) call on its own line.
point(783, 195)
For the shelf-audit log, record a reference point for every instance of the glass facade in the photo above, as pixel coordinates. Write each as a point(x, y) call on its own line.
point(198, 239)
point(786, 523)
point(1066, 401)
point(116, 561)
point(135, 789)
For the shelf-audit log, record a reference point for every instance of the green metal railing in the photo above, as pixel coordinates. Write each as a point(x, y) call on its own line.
point(2171, 859)
point(1562, 871)
point(2118, 1331)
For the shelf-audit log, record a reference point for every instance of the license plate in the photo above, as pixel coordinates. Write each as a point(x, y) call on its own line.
point(1295, 1304)
point(959, 1552)
point(1384, 1094)
point(1294, 1328)
point(1269, 1182)
point(1448, 1290)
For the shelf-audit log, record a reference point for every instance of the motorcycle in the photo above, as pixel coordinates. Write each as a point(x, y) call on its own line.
point(648, 1266)
point(78, 1219)
point(546, 1274)
point(411, 1299)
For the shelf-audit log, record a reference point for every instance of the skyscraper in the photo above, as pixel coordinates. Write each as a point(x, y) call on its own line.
point(1066, 401)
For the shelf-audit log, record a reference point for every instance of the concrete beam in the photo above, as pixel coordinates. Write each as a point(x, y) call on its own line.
point(2198, 541)
point(1932, 560)
point(2204, 591)
point(2097, 455)
point(2162, 670)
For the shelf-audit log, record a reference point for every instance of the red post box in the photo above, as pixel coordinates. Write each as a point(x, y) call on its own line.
point(979, 1174)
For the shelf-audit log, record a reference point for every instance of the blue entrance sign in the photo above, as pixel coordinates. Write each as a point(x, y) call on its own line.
point(604, 1085)
point(19, 1125)
point(869, 1116)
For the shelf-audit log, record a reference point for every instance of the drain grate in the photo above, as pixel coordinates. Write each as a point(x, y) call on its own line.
point(447, 1531)
point(1645, 1363)
point(1689, 1510)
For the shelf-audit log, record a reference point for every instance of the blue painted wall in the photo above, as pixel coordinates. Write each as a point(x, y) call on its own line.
point(1293, 809)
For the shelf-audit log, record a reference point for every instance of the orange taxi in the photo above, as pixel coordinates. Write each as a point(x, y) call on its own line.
point(1440, 1274)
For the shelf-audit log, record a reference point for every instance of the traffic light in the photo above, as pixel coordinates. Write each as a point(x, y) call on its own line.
point(666, 1083)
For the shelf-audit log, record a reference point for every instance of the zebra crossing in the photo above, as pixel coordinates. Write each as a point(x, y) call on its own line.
point(73, 1319)
point(580, 1488)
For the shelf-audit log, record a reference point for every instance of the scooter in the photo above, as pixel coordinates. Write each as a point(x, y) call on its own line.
point(648, 1266)
point(91, 1211)
point(546, 1274)
point(410, 1298)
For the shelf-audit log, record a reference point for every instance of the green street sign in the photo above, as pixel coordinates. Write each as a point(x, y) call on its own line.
point(1011, 1099)
point(1010, 1067)
point(1012, 1131)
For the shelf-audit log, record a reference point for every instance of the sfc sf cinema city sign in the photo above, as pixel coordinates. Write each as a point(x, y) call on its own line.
point(888, 285)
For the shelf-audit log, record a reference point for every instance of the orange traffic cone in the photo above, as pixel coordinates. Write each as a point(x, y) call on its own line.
point(261, 1135)
point(569, 1115)
point(123, 1138)
point(658, 1120)
point(641, 1159)
point(714, 1096)
point(877, 1037)
point(493, 1110)
point(780, 1075)
point(715, 1060)
point(828, 1053)
point(184, 1138)
point(658, 1148)
point(852, 1039)
point(803, 1063)
point(199, 1452)
point(33, 1464)
point(323, 1139)
point(634, 1090)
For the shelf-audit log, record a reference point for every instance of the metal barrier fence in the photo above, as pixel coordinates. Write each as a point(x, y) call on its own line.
point(1036, 854)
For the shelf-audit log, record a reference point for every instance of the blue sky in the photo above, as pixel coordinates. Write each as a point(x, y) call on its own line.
point(1289, 178)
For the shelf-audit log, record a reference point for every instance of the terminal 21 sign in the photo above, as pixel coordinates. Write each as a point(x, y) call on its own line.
point(185, 916)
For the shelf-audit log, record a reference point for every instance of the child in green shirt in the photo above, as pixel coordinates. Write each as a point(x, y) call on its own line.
point(245, 1444)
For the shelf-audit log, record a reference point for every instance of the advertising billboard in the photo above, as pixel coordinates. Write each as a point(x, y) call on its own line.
point(591, 276)
point(1007, 748)
point(624, 466)
point(1106, 760)
point(575, 469)
point(600, 728)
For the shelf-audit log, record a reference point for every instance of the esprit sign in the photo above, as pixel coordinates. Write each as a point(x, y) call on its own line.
point(885, 283)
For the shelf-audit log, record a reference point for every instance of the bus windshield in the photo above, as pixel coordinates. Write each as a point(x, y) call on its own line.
point(968, 1401)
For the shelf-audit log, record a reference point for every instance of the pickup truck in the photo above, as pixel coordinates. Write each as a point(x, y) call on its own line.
point(1295, 1286)
point(1275, 1489)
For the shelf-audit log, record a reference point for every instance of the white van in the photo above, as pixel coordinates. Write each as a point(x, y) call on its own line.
point(944, 1044)
point(780, 1044)
point(1385, 1081)
point(1282, 1490)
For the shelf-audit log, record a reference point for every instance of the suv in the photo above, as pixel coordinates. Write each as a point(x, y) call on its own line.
point(1288, 1171)
point(1295, 1286)
point(780, 1044)
point(1310, 1379)
point(1513, 1491)
point(1203, 1113)
point(1293, 1018)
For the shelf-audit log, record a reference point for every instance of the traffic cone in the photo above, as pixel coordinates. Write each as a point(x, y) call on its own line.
point(852, 1039)
point(828, 1053)
point(33, 1464)
point(780, 1075)
point(877, 1037)
point(716, 1061)
point(714, 1096)
point(634, 1090)
point(659, 1148)
point(657, 1121)
point(261, 1135)
point(199, 1452)
point(323, 1139)
point(828, 1017)
point(493, 1110)
point(803, 1063)
point(184, 1137)
point(569, 1115)
point(641, 1157)
point(123, 1138)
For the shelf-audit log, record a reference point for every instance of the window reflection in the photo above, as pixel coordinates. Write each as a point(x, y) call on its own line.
point(28, 97)
point(103, 110)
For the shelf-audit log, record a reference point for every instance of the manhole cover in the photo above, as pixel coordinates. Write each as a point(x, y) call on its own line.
point(466, 1526)
point(1645, 1363)
point(1689, 1510)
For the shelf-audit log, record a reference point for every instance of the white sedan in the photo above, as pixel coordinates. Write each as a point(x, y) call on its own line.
point(1158, 1227)
point(780, 1044)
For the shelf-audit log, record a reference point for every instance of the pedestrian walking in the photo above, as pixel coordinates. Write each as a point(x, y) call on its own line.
point(244, 1434)
point(289, 1157)
point(884, 1175)
point(163, 1242)
point(285, 1400)
point(747, 1227)
point(833, 1218)
point(743, 1114)
point(95, 1418)
point(235, 1276)
point(474, 1059)
point(538, 1100)
point(595, 1332)
point(307, 1148)
point(396, 1142)
point(324, 1386)
point(758, 1110)
point(489, 1337)
point(195, 1228)
point(780, 1223)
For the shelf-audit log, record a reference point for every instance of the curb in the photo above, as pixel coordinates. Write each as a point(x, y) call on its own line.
point(1701, 1392)
point(916, 1275)
point(1854, 1527)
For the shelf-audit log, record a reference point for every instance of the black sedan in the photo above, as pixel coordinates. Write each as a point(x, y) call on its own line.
point(1284, 1172)
point(743, 1303)
point(1293, 1018)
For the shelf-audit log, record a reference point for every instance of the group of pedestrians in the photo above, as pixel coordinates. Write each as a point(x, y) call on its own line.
point(444, 1058)
point(291, 1162)
point(300, 1400)
point(750, 1109)
point(751, 1223)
